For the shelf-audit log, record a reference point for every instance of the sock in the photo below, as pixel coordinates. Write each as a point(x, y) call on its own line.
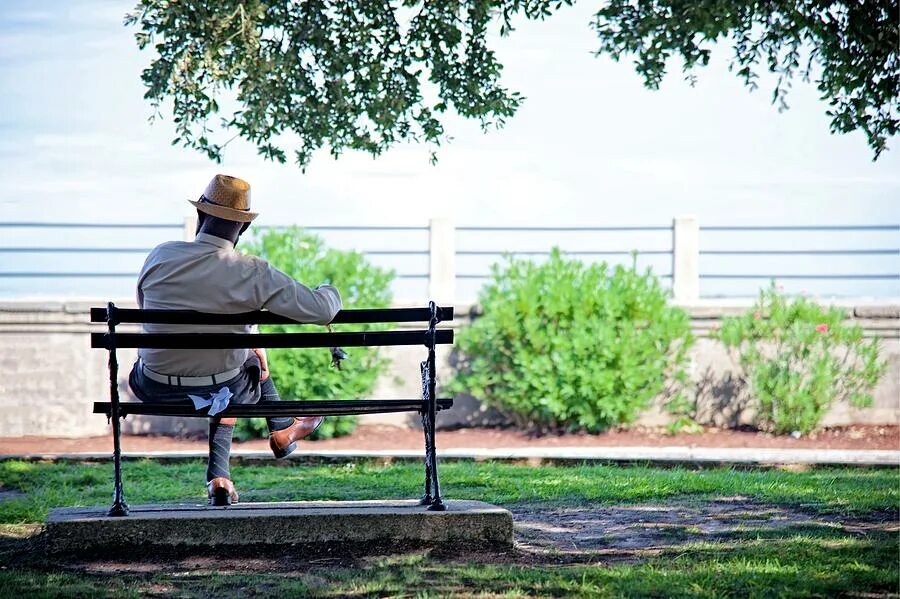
point(219, 450)
point(270, 393)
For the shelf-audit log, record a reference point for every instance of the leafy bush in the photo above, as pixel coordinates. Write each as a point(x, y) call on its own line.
point(308, 373)
point(567, 345)
point(799, 358)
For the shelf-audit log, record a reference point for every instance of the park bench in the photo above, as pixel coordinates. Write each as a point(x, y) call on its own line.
point(427, 406)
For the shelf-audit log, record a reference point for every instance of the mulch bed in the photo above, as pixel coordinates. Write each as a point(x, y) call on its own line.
point(395, 438)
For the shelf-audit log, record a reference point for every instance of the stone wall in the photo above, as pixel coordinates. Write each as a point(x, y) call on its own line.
point(50, 377)
point(725, 404)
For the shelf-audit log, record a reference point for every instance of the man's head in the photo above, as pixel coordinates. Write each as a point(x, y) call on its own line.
point(220, 227)
point(224, 208)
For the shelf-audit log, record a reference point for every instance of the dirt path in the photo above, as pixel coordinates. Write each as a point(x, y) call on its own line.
point(395, 438)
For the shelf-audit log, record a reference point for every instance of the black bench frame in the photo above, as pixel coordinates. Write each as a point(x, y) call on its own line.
point(427, 406)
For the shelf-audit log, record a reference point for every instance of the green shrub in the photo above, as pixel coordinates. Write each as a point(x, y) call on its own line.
point(567, 345)
point(798, 359)
point(308, 373)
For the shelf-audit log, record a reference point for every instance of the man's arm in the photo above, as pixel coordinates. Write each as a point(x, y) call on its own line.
point(283, 295)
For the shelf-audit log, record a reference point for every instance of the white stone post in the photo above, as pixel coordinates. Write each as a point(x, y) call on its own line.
point(190, 227)
point(442, 261)
point(685, 259)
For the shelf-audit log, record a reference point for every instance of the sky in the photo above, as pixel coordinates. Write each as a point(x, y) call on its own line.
point(589, 147)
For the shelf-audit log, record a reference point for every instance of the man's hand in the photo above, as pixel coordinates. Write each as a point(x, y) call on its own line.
point(263, 363)
point(337, 354)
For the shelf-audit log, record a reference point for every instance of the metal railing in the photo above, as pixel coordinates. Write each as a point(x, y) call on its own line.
point(623, 252)
point(809, 254)
point(62, 250)
point(697, 261)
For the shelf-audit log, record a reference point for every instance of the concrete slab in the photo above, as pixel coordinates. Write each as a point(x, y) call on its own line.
point(351, 524)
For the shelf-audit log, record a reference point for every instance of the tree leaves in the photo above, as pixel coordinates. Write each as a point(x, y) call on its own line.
point(368, 74)
point(359, 75)
point(850, 50)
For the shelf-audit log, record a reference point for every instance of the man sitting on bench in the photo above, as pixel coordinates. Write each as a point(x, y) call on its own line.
point(208, 275)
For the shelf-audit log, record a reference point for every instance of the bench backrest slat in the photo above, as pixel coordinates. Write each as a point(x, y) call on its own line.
point(250, 340)
point(382, 315)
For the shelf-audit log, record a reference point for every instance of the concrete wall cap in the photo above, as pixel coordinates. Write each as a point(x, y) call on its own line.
point(878, 311)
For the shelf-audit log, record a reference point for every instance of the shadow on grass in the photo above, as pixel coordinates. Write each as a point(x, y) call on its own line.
point(810, 558)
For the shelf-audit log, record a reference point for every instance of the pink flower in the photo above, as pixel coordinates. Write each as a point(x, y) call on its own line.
point(822, 328)
point(757, 316)
point(714, 326)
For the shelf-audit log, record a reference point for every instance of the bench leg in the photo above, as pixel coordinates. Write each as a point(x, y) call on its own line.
point(432, 485)
point(119, 507)
point(426, 498)
point(437, 504)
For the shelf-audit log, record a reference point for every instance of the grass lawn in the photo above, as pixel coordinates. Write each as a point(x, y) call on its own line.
point(582, 530)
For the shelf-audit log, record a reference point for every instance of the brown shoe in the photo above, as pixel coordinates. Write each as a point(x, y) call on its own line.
point(221, 491)
point(284, 442)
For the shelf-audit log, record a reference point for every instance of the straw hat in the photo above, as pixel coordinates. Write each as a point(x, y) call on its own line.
point(226, 197)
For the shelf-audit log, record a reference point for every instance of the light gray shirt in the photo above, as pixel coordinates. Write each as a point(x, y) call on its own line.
point(208, 275)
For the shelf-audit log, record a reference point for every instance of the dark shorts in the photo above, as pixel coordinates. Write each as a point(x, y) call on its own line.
point(245, 387)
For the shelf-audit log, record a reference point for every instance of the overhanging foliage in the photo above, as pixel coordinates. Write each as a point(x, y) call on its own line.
point(367, 74)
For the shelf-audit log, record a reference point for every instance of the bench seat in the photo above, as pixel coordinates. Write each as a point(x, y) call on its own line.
point(324, 407)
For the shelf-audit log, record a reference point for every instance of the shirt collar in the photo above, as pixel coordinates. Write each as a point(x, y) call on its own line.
point(213, 240)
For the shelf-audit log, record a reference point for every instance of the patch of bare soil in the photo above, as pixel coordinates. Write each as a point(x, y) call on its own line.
point(616, 530)
point(396, 438)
